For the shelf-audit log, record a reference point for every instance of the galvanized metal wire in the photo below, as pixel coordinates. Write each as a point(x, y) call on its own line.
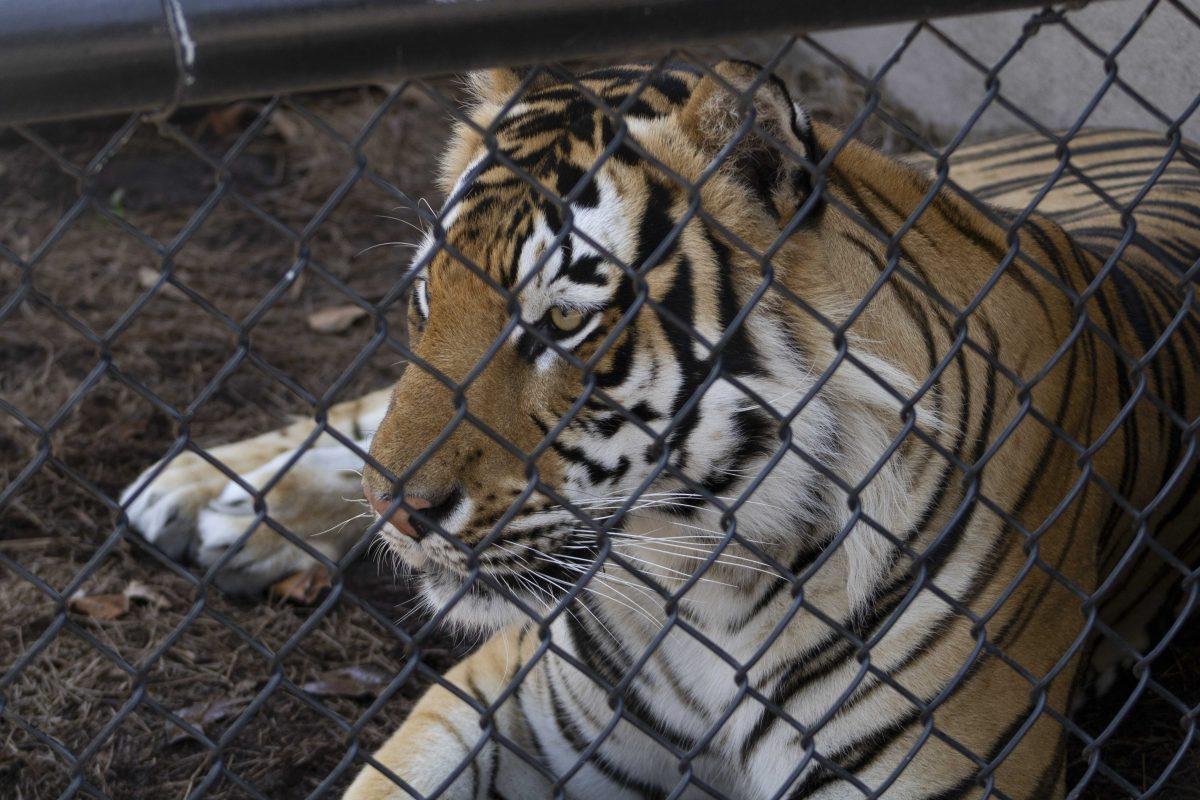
point(77, 762)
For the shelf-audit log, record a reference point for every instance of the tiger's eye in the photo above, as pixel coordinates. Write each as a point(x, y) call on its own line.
point(566, 319)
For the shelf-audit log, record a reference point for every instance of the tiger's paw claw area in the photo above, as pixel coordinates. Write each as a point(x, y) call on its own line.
point(196, 515)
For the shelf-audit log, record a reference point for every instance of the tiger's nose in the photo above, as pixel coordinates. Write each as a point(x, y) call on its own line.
point(399, 519)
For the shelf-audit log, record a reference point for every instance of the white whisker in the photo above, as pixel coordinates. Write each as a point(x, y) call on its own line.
point(719, 560)
point(341, 524)
point(385, 244)
point(421, 231)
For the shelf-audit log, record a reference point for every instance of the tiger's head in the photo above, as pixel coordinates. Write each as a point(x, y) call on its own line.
point(609, 338)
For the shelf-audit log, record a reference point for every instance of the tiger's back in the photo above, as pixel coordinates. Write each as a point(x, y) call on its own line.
point(1106, 524)
point(1131, 198)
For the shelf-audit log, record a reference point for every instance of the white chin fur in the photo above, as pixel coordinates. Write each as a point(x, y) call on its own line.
point(484, 610)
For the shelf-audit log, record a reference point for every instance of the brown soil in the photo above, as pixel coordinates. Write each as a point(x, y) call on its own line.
point(88, 432)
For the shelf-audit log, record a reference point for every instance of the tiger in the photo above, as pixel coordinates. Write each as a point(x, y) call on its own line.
point(774, 465)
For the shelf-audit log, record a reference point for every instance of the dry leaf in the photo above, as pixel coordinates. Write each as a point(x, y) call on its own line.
point(287, 126)
point(355, 681)
point(303, 587)
point(100, 606)
point(204, 713)
point(335, 319)
point(227, 120)
point(147, 278)
point(136, 590)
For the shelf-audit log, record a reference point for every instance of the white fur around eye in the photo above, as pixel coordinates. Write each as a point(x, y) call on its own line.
point(421, 297)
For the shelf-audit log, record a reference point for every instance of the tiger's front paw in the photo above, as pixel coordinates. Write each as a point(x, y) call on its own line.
point(194, 513)
point(165, 511)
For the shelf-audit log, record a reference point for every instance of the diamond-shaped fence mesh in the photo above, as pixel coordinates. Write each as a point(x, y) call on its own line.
point(750, 428)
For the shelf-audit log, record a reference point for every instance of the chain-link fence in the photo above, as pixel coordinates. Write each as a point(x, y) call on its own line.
point(797, 468)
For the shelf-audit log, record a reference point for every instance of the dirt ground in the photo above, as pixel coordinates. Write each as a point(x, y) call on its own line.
point(332, 666)
point(55, 523)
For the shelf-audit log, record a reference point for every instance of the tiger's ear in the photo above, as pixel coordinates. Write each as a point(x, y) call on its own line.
point(492, 86)
point(715, 117)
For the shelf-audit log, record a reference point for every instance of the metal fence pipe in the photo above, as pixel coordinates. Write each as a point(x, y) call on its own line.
point(73, 58)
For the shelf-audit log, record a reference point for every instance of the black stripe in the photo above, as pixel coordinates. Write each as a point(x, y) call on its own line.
point(575, 739)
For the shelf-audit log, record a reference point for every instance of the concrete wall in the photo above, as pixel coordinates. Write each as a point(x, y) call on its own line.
point(1052, 78)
